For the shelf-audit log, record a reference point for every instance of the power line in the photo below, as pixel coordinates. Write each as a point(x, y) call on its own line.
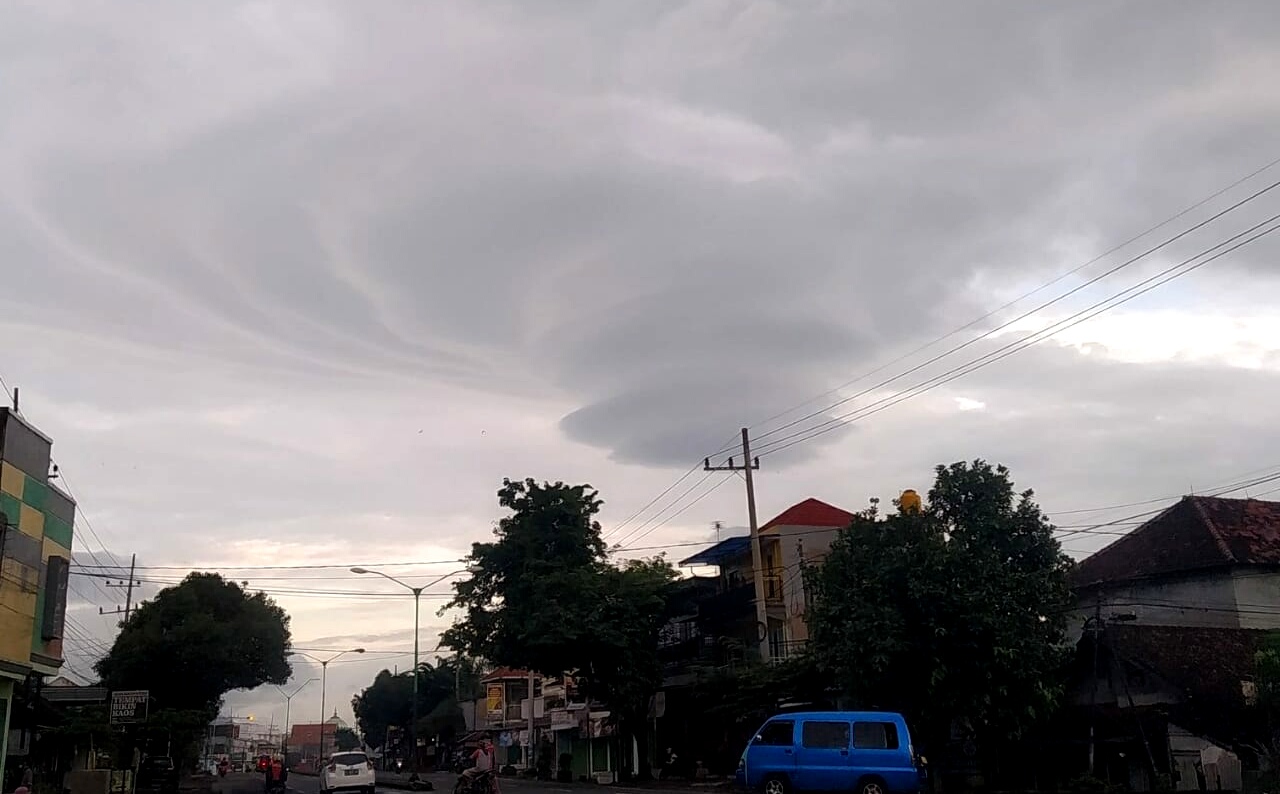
point(631, 535)
point(1027, 314)
point(1137, 290)
point(1215, 493)
point(623, 524)
point(704, 495)
point(305, 567)
point(84, 520)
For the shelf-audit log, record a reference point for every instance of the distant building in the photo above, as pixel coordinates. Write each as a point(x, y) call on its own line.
point(304, 739)
point(1170, 618)
point(36, 520)
point(722, 628)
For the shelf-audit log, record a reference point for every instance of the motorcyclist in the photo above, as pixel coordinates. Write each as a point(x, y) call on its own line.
point(483, 764)
point(276, 774)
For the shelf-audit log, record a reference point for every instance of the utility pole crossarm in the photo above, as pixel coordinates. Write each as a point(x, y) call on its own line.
point(729, 466)
point(128, 590)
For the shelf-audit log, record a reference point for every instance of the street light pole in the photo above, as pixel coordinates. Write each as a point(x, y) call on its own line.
point(288, 704)
point(413, 729)
point(417, 602)
point(324, 679)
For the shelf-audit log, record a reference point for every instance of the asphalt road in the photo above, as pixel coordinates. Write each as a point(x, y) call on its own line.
point(442, 782)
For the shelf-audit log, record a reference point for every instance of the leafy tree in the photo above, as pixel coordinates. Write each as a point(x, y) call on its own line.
point(621, 657)
point(198, 640)
point(388, 701)
point(532, 592)
point(953, 612)
point(346, 739)
point(384, 704)
point(542, 596)
point(732, 703)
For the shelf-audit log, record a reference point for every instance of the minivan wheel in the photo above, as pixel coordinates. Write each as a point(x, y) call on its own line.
point(871, 785)
point(776, 784)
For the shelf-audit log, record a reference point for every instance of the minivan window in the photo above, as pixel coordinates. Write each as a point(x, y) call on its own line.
point(825, 735)
point(778, 732)
point(875, 736)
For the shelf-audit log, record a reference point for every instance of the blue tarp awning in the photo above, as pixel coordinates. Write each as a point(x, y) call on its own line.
point(729, 547)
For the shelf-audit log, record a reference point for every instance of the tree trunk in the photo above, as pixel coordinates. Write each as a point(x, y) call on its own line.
point(645, 770)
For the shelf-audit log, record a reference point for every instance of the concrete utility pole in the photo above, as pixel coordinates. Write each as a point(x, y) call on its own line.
point(757, 557)
point(1093, 711)
point(128, 591)
point(528, 759)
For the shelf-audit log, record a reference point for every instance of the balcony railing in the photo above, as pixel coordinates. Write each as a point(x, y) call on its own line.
point(781, 651)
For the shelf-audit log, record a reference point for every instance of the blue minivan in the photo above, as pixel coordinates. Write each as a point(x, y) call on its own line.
point(868, 752)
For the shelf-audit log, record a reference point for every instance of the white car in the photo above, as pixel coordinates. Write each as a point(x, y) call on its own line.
point(348, 771)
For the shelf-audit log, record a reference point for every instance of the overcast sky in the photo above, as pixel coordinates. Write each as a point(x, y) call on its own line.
point(300, 282)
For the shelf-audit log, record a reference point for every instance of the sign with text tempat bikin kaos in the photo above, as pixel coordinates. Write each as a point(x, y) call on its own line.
point(493, 698)
point(129, 707)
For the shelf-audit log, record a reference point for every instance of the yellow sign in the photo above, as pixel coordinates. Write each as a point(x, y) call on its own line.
point(493, 696)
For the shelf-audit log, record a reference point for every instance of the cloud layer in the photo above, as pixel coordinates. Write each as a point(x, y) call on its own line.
point(300, 282)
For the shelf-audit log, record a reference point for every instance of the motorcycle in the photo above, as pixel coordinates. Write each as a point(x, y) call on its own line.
point(276, 785)
point(477, 783)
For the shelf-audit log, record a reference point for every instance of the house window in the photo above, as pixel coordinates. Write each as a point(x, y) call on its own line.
point(777, 644)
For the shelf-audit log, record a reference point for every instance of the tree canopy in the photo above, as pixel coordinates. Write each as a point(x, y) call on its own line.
point(198, 640)
point(346, 739)
point(543, 596)
point(956, 610)
point(533, 591)
point(388, 701)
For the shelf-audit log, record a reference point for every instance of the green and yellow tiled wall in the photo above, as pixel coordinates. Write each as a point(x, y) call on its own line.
point(40, 519)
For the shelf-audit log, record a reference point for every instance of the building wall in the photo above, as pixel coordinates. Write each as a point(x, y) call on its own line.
point(37, 538)
point(1212, 599)
point(1257, 593)
point(794, 545)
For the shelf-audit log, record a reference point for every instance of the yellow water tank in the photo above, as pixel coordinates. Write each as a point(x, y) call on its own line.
point(909, 502)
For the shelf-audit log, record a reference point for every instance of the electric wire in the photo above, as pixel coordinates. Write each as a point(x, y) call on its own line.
point(1141, 288)
point(1024, 315)
point(1019, 299)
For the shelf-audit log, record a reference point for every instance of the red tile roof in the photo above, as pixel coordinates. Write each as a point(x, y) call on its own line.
point(504, 674)
point(810, 513)
point(1196, 533)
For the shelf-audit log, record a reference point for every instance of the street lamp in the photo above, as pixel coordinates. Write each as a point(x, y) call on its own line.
point(288, 702)
point(324, 674)
point(417, 599)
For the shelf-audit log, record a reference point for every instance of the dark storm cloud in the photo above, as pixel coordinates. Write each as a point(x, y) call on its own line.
point(675, 217)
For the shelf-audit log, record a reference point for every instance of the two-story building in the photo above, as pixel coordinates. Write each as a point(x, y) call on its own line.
point(1168, 621)
point(720, 626)
point(36, 520)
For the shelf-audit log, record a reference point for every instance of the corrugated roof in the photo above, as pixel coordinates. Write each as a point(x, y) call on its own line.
point(810, 513)
point(505, 673)
point(729, 547)
point(1196, 533)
